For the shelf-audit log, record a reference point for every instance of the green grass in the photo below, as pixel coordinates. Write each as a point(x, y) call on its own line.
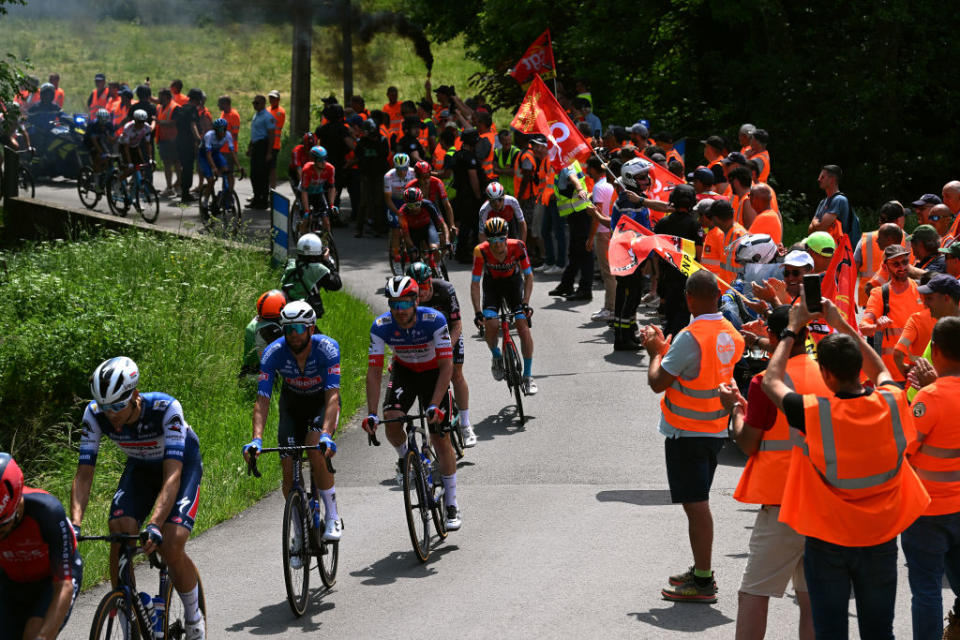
point(178, 309)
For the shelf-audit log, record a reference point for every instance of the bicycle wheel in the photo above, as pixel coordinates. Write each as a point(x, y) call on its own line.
point(87, 188)
point(297, 579)
point(231, 207)
point(416, 504)
point(327, 562)
point(148, 202)
point(329, 243)
point(117, 196)
point(25, 183)
point(296, 217)
point(436, 500)
point(174, 623)
point(515, 376)
point(110, 620)
point(456, 438)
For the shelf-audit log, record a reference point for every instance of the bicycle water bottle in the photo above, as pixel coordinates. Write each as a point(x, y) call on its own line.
point(159, 608)
point(147, 602)
point(428, 468)
point(315, 510)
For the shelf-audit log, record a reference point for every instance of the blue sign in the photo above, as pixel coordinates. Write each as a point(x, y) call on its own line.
point(280, 233)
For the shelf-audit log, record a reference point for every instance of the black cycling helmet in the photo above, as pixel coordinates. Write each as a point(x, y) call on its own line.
point(420, 272)
point(495, 227)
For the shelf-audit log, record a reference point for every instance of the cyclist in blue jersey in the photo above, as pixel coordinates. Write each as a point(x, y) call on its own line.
point(308, 365)
point(210, 160)
point(40, 570)
point(99, 138)
point(422, 368)
point(160, 484)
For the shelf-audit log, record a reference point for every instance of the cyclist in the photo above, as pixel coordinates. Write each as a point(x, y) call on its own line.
point(133, 134)
point(503, 267)
point(310, 271)
point(317, 188)
point(434, 191)
point(210, 161)
point(263, 329)
point(440, 295)
point(99, 139)
point(394, 182)
point(501, 205)
point(299, 156)
point(308, 365)
point(420, 222)
point(422, 366)
point(40, 569)
point(163, 471)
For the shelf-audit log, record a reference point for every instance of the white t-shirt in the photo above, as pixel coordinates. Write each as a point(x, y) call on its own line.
point(603, 197)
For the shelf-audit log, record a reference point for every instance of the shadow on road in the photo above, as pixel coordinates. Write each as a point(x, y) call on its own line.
point(504, 423)
point(277, 619)
point(401, 564)
point(642, 497)
point(683, 617)
point(632, 359)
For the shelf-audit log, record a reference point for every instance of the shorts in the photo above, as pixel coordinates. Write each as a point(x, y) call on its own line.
point(20, 601)
point(140, 485)
point(536, 219)
point(458, 350)
point(393, 220)
point(136, 155)
point(204, 167)
point(776, 556)
point(168, 151)
point(406, 386)
point(508, 291)
point(297, 414)
point(425, 235)
point(691, 462)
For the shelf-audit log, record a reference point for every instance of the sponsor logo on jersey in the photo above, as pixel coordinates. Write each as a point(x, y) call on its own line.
point(161, 405)
point(263, 376)
point(304, 382)
point(334, 370)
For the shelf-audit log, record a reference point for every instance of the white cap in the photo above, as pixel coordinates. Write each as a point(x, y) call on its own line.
point(798, 258)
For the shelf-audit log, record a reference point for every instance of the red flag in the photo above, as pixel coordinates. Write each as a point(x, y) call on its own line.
point(541, 113)
point(537, 60)
point(840, 281)
point(680, 253)
point(623, 260)
point(662, 181)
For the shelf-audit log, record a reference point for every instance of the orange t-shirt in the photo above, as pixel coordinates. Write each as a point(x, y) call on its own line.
point(916, 334)
point(902, 306)
point(769, 223)
point(233, 126)
point(393, 111)
point(180, 99)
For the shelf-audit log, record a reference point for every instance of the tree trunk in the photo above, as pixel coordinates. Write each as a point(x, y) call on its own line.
point(300, 74)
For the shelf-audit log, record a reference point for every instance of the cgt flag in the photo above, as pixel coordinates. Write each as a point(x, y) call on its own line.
point(541, 113)
point(623, 260)
point(537, 60)
point(840, 281)
point(662, 181)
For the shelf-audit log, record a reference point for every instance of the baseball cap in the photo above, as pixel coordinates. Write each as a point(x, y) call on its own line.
point(927, 199)
point(924, 233)
point(951, 250)
point(355, 120)
point(99, 76)
point(747, 128)
point(702, 174)
point(639, 129)
point(895, 251)
point(273, 94)
point(941, 283)
point(735, 158)
point(821, 242)
point(444, 89)
point(715, 141)
point(797, 258)
point(703, 206)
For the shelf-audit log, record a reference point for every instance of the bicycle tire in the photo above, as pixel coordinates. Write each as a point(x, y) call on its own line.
point(25, 182)
point(436, 507)
point(327, 560)
point(456, 438)
point(174, 624)
point(515, 377)
point(415, 503)
point(331, 246)
point(297, 589)
point(87, 188)
point(116, 196)
point(148, 202)
point(233, 207)
point(296, 217)
point(107, 621)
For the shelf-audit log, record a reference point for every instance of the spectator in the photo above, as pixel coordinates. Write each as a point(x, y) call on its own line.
point(573, 201)
point(665, 141)
point(714, 149)
point(372, 153)
point(486, 144)
point(741, 181)
point(145, 102)
point(720, 253)
point(187, 118)
point(228, 113)
point(54, 79)
point(701, 179)
point(392, 109)
point(639, 135)
point(469, 182)
point(744, 136)
point(925, 244)
point(759, 154)
point(260, 152)
point(767, 220)
point(915, 339)
point(166, 132)
point(528, 176)
point(868, 255)
point(583, 106)
point(599, 239)
point(671, 283)
point(833, 214)
point(504, 161)
point(280, 116)
point(951, 198)
point(336, 138)
point(821, 246)
point(176, 87)
point(100, 96)
point(951, 257)
point(941, 218)
point(359, 106)
point(923, 205)
point(409, 143)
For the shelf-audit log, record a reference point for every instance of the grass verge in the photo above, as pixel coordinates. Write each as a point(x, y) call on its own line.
point(178, 308)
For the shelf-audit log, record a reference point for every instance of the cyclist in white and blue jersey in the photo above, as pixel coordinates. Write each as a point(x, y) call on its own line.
point(210, 160)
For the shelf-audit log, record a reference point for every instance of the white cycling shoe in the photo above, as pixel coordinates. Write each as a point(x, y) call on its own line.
point(453, 521)
point(333, 530)
point(469, 437)
point(196, 630)
point(529, 386)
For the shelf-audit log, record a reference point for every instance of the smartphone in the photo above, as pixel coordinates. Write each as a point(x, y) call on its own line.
point(811, 289)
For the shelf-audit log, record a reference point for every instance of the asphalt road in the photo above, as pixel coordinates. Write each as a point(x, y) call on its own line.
point(568, 528)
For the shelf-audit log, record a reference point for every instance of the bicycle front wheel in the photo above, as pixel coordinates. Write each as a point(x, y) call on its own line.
point(25, 183)
point(456, 438)
point(231, 207)
point(117, 196)
point(148, 202)
point(436, 499)
point(416, 504)
point(296, 557)
point(111, 620)
point(174, 622)
point(87, 188)
point(328, 242)
point(327, 562)
point(515, 376)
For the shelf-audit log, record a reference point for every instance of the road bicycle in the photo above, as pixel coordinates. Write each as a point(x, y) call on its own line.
point(223, 204)
point(130, 614)
point(313, 222)
point(92, 185)
point(136, 189)
point(512, 364)
point(25, 184)
point(303, 532)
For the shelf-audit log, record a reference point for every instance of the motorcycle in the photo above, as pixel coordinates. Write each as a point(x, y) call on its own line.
point(59, 146)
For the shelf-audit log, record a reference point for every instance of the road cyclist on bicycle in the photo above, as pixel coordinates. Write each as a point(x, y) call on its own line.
point(309, 272)
point(501, 268)
point(133, 137)
point(434, 191)
point(317, 189)
point(299, 156)
point(501, 205)
point(421, 369)
point(394, 183)
point(308, 365)
point(100, 140)
point(163, 473)
point(40, 570)
point(421, 223)
point(210, 160)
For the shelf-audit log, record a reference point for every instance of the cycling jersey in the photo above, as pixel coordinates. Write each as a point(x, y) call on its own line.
point(213, 144)
point(516, 261)
point(42, 546)
point(394, 184)
point(299, 156)
point(511, 212)
point(435, 191)
point(444, 299)
point(420, 218)
point(419, 348)
point(132, 135)
point(316, 180)
point(99, 131)
point(321, 371)
point(160, 433)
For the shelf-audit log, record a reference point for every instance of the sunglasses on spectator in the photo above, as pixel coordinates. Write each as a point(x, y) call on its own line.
point(936, 218)
point(401, 305)
point(792, 273)
point(296, 328)
point(497, 240)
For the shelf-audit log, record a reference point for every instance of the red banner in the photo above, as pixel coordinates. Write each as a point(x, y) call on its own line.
point(541, 113)
point(537, 60)
point(662, 181)
point(840, 281)
point(623, 259)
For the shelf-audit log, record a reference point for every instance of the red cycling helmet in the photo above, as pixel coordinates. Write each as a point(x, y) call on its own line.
point(309, 140)
point(11, 487)
point(412, 195)
point(270, 304)
point(422, 168)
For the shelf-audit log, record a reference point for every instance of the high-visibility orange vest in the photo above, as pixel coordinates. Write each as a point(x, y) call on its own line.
point(164, 114)
point(769, 223)
point(439, 153)
point(233, 126)
point(694, 405)
point(487, 163)
point(518, 175)
point(872, 258)
point(848, 483)
point(280, 115)
point(396, 120)
point(765, 473)
point(728, 265)
point(99, 101)
point(712, 256)
point(673, 154)
point(58, 97)
point(765, 171)
point(937, 459)
point(423, 137)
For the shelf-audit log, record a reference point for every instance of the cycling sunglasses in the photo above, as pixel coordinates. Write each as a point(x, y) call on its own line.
point(498, 239)
point(296, 328)
point(115, 407)
point(401, 305)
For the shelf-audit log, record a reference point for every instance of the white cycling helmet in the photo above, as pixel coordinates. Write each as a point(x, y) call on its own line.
point(140, 115)
point(310, 245)
point(114, 381)
point(756, 248)
point(298, 312)
point(401, 161)
point(633, 169)
point(494, 191)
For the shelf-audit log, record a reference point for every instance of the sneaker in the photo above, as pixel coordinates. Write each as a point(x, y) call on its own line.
point(496, 368)
point(333, 529)
point(469, 437)
point(952, 630)
point(560, 291)
point(453, 520)
point(529, 386)
point(552, 269)
point(196, 630)
point(542, 268)
point(602, 316)
point(686, 576)
point(650, 299)
point(691, 591)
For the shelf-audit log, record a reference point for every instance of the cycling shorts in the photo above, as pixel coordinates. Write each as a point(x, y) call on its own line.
point(20, 601)
point(425, 235)
point(458, 350)
point(140, 485)
point(204, 166)
point(393, 220)
point(406, 386)
point(297, 413)
point(318, 203)
point(136, 155)
point(506, 290)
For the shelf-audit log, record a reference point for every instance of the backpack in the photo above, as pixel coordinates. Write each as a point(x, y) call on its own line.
point(854, 232)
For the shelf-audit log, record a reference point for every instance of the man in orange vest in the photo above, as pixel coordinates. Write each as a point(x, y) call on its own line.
point(689, 370)
point(724, 245)
point(759, 154)
point(847, 489)
point(951, 198)
point(743, 137)
point(280, 115)
point(866, 254)
point(488, 142)
point(776, 551)
point(176, 90)
point(100, 96)
point(392, 109)
point(714, 150)
point(54, 79)
point(166, 132)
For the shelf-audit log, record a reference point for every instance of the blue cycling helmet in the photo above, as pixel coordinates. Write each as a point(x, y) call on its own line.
point(318, 152)
point(220, 123)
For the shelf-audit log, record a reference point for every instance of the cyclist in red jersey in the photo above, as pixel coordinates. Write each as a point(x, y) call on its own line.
point(434, 191)
point(317, 181)
point(503, 268)
point(420, 222)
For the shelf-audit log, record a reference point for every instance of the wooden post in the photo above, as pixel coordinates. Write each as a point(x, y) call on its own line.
point(301, 60)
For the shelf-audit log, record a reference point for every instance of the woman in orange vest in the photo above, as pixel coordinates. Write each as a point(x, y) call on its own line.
point(847, 490)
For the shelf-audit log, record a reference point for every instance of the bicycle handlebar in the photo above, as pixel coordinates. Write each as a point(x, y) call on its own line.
point(252, 462)
point(117, 538)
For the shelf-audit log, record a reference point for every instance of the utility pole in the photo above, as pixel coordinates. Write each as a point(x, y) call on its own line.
point(346, 30)
point(302, 15)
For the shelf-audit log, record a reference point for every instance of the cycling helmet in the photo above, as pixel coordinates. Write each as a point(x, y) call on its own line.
point(104, 115)
point(318, 152)
point(220, 124)
point(422, 168)
point(298, 312)
point(310, 245)
point(114, 381)
point(270, 304)
point(309, 140)
point(634, 169)
point(369, 125)
point(401, 161)
point(756, 248)
point(11, 487)
point(140, 115)
point(420, 272)
point(401, 287)
point(495, 227)
point(412, 195)
point(495, 191)
point(46, 87)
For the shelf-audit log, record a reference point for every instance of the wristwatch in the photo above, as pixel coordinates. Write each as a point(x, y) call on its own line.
point(788, 333)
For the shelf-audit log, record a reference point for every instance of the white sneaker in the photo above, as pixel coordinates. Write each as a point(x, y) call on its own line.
point(196, 630)
point(543, 267)
point(529, 386)
point(333, 530)
point(552, 269)
point(469, 437)
point(453, 520)
point(602, 316)
point(650, 299)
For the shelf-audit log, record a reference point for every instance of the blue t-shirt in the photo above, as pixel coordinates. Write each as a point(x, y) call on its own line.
point(320, 372)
